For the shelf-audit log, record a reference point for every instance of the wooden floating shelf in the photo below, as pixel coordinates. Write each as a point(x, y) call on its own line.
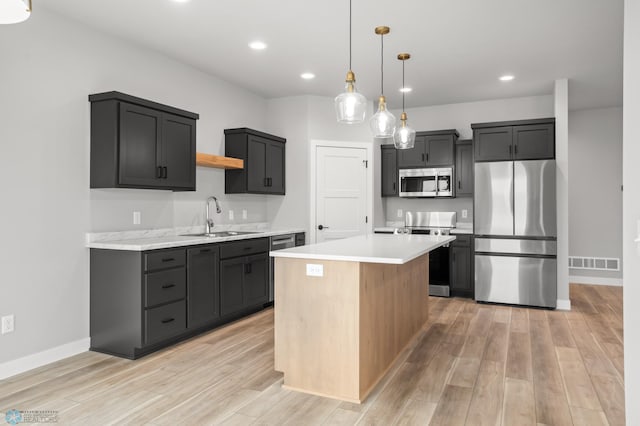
point(219, 162)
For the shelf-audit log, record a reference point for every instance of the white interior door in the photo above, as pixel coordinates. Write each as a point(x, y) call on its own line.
point(341, 192)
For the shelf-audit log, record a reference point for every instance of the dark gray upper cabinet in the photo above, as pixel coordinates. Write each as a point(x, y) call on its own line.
point(137, 143)
point(389, 171)
point(514, 140)
point(432, 149)
point(203, 286)
point(264, 162)
point(464, 168)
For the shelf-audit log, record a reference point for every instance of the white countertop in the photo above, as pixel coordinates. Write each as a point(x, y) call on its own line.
point(370, 248)
point(131, 241)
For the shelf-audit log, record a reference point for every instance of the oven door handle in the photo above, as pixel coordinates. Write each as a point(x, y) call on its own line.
point(437, 183)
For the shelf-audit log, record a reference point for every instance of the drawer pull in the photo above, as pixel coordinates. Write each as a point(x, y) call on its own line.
point(167, 321)
point(205, 250)
point(168, 259)
point(246, 248)
point(166, 286)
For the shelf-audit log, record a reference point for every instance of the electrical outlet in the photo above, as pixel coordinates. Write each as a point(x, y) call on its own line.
point(399, 213)
point(136, 218)
point(465, 213)
point(244, 214)
point(230, 214)
point(314, 270)
point(7, 324)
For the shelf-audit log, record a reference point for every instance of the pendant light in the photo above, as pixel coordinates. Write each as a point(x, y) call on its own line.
point(405, 136)
point(350, 105)
point(14, 11)
point(383, 123)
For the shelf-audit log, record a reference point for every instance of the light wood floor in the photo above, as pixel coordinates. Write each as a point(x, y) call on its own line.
point(473, 364)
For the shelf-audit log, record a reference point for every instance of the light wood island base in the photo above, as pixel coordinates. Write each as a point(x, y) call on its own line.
point(337, 335)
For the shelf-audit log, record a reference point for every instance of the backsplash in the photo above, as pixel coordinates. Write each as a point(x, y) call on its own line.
point(392, 204)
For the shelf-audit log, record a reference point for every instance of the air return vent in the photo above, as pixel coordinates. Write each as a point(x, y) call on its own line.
point(596, 263)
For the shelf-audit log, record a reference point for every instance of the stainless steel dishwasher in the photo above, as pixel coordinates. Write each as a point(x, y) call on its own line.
point(280, 242)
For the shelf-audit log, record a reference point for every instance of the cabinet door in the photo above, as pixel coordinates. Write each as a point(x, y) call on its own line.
point(464, 170)
point(534, 142)
point(256, 283)
point(389, 172)
point(493, 144)
point(179, 152)
point(414, 157)
point(256, 164)
point(439, 151)
point(231, 282)
point(275, 165)
point(203, 286)
point(461, 269)
point(140, 146)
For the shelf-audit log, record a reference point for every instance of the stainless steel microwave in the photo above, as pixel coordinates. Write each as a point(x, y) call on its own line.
point(426, 182)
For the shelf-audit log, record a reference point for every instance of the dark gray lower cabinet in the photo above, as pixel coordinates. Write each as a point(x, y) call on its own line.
point(143, 301)
point(244, 280)
point(203, 284)
point(461, 284)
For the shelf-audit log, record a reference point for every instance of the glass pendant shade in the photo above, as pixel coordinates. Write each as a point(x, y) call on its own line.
point(405, 136)
point(351, 106)
point(383, 123)
point(14, 11)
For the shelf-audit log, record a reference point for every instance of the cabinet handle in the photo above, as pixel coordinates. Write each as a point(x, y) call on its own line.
point(427, 157)
point(246, 248)
point(394, 186)
point(166, 286)
point(266, 182)
point(458, 184)
point(168, 259)
point(247, 268)
point(509, 149)
point(159, 172)
point(167, 321)
point(422, 156)
point(205, 250)
point(166, 173)
point(515, 149)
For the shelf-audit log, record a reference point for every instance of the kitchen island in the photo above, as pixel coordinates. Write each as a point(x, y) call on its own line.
point(346, 309)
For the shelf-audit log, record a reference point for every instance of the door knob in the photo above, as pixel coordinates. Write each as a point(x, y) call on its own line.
point(321, 227)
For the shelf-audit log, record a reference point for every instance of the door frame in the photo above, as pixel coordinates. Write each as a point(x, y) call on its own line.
point(315, 144)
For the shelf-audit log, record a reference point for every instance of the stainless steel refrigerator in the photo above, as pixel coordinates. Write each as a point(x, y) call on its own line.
point(515, 232)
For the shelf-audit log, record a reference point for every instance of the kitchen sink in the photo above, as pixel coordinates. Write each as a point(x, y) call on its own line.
point(219, 234)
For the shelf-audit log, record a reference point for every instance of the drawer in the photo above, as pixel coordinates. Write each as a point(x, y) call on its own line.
point(462, 240)
point(164, 259)
point(164, 286)
point(244, 247)
point(164, 321)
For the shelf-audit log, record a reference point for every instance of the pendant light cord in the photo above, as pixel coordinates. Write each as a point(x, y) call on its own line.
point(350, 35)
point(403, 91)
point(382, 64)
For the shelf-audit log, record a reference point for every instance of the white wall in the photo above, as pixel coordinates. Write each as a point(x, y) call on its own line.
point(595, 195)
point(49, 67)
point(631, 209)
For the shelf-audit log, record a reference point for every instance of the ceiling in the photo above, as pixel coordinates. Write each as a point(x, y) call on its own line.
point(459, 48)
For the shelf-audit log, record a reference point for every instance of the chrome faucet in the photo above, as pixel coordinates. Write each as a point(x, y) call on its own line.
point(208, 225)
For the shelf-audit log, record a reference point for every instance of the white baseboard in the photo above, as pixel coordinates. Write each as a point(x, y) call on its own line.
point(577, 279)
point(29, 362)
point(563, 304)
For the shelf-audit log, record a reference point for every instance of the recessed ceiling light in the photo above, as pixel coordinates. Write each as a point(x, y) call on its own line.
point(406, 89)
point(507, 77)
point(308, 75)
point(258, 45)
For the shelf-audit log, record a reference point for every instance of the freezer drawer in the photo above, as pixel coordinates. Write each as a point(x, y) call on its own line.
point(516, 246)
point(516, 280)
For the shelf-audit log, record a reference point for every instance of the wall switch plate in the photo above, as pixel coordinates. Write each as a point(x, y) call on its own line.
point(244, 214)
point(399, 213)
point(465, 213)
point(7, 324)
point(136, 218)
point(230, 214)
point(314, 270)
